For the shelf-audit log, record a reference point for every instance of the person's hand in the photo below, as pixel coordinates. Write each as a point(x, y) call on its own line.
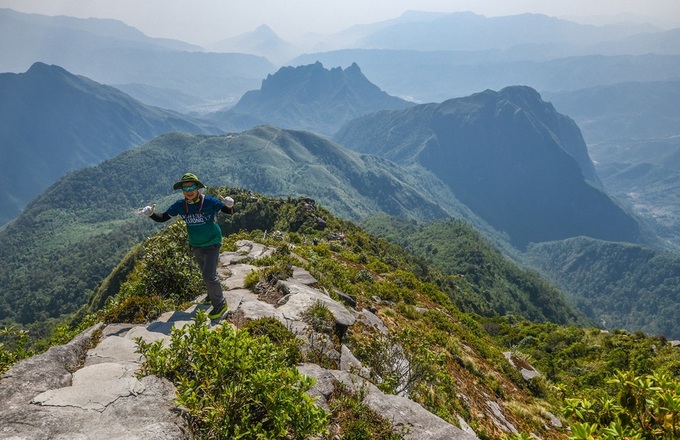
point(228, 201)
point(147, 210)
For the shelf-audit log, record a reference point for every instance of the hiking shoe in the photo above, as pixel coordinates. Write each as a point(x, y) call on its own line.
point(216, 313)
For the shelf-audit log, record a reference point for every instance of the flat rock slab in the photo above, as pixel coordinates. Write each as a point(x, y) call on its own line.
point(303, 276)
point(302, 297)
point(116, 348)
point(48, 396)
point(94, 388)
point(239, 273)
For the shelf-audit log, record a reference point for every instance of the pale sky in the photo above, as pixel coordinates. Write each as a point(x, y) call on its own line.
point(204, 22)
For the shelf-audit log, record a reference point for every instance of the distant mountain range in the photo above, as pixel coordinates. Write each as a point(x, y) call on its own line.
point(52, 122)
point(458, 54)
point(110, 52)
point(451, 31)
point(308, 98)
point(452, 74)
point(627, 110)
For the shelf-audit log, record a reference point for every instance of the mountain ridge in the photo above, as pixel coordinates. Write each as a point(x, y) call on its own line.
point(98, 217)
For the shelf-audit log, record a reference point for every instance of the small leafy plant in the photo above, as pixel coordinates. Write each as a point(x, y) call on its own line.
point(647, 407)
point(278, 334)
point(234, 385)
point(13, 346)
point(355, 420)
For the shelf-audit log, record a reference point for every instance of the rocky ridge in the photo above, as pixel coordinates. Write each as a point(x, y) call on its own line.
point(87, 389)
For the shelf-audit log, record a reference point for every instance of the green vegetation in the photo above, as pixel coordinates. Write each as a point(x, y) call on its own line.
point(13, 347)
point(622, 285)
point(234, 385)
point(71, 237)
point(490, 284)
point(646, 407)
point(449, 360)
point(352, 419)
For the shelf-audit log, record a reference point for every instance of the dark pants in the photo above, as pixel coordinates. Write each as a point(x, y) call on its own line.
point(207, 258)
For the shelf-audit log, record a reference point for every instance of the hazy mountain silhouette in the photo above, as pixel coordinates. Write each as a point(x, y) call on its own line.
point(308, 98)
point(262, 41)
point(110, 52)
point(52, 121)
point(451, 74)
point(451, 31)
point(507, 155)
point(629, 110)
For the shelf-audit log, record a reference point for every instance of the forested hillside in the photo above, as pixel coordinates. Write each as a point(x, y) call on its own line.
point(621, 285)
point(494, 285)
point(612, 285)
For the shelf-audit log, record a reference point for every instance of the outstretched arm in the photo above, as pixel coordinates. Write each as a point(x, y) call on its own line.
point(149, 212)
point(160, 218)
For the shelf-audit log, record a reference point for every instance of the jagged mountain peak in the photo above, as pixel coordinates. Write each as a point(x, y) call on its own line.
point(292, 80)
point(308, 97)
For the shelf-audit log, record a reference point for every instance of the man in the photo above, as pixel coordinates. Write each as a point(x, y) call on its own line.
point(205, 236)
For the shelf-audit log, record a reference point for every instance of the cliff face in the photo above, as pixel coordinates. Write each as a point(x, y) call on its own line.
point(89, 388)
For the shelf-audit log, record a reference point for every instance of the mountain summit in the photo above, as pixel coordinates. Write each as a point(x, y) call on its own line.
point(509, 156)
point(262, 41)
point(310, 98)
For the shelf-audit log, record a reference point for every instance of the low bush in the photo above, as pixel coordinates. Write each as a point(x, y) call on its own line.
point(234, 385)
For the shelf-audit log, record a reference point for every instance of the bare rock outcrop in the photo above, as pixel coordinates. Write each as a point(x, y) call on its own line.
point(88, 389)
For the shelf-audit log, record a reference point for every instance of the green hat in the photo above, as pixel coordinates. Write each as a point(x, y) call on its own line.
point(188, 177)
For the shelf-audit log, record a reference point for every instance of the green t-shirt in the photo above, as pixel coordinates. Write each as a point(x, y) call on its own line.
point(200, 220)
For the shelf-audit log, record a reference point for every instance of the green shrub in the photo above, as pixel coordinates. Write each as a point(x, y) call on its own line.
point(280, 271)
point(134, 309)
point(398, 362)
point(320, 318)
point(323, 342)
point(234, 385)
point(13, 346)
point(278, 334)
point(168, 268)
point(355, 420)
point(647, 407)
